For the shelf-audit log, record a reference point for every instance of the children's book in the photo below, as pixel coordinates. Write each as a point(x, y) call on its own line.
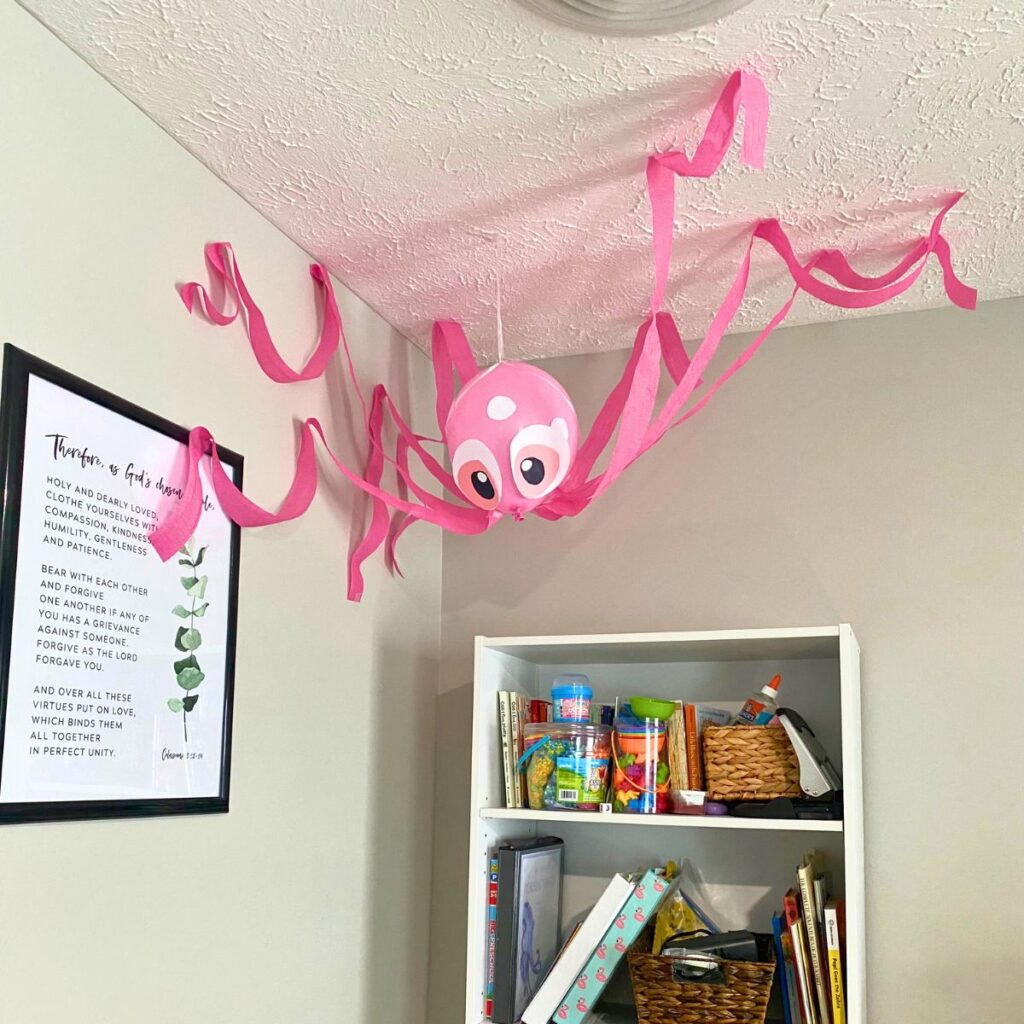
point(806, 874)
point(529, 912)
point(778, 930)
point(505, 725)
point(801, 958)
point(638, 910)
point(697, 718)
point(492, 932)
point(833, 947)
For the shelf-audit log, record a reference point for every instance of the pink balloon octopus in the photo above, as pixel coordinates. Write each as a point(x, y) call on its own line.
point(511, 432)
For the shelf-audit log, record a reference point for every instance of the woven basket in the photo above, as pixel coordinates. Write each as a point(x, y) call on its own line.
point(661, 999)
point(749, 762)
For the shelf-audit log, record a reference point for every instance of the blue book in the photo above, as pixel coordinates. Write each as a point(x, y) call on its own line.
point(784, 970)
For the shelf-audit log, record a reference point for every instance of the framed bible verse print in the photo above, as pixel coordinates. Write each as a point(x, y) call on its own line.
point(116, 669)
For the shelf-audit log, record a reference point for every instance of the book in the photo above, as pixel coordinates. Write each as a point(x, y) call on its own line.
point(697, 717)
point(778, 931)
point(529, 909)
point(806, 874)
point(833, 948)
point(505, 725)
point(791, 979)
point(580, 948)
point(801, 958)
point(631, 920)
point(516, 739)
point(492, 932)
point(524, 718)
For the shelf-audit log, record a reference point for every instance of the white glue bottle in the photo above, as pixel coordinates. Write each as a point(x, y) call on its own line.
point(760, 709)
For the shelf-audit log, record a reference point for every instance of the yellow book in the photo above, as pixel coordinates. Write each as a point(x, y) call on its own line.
point(835, 963)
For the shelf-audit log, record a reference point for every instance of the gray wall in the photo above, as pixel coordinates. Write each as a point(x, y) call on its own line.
point(305, 901)
point(871, 472)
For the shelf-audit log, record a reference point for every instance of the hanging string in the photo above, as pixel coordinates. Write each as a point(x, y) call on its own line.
point(501, 336)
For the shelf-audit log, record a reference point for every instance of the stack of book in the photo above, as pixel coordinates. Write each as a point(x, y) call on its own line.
point(809, 947)
point(513, 714)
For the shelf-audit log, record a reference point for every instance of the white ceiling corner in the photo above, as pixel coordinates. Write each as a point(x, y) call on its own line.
point(420, 148)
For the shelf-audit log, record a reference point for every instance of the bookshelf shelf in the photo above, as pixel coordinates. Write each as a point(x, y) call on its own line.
point(747, 864)
point(659, 821)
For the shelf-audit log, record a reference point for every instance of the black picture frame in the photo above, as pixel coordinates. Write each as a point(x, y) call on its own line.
point(18, 367)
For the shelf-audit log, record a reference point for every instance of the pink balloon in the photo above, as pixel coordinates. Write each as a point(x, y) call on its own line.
point(512, 434)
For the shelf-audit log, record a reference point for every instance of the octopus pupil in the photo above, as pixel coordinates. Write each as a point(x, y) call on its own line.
point(482, 485)
point(532, 470)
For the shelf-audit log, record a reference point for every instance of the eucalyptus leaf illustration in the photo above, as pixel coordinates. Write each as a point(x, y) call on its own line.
point(187, 639)
point(190, 678)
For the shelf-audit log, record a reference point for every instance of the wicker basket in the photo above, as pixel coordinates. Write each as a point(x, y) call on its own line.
point(749, 762)
point(661, 999)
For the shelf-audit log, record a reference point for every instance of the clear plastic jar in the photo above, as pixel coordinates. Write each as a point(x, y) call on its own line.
point(640, 782)
point(566, 765)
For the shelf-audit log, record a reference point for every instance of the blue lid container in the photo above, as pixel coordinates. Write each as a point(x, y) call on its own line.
point(570, 698)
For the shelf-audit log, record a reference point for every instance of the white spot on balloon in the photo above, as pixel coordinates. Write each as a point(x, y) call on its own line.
point(561, 426)
point(500, 407)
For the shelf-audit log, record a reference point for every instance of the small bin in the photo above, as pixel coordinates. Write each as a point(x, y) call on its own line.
point(666, 992)
point(566, 765)
point(750, 762)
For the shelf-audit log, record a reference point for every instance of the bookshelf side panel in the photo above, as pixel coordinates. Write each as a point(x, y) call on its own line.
point(853, 797)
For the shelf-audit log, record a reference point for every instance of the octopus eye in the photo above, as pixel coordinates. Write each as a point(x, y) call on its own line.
point(532, 469)
point(540, 459)
point(477, 475)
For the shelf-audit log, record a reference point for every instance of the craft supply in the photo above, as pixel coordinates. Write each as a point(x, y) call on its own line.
point(566, 765)
point(688, 801)
point(640, 780)
point(529, 908)
point(760, 708)
point(570, 698)
point(651, 707)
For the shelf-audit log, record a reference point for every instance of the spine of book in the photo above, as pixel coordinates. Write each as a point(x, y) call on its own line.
point(801, 960)
point(505, 720)
point(517, 749)
point(793, 985)
point(694, 762)
point(524, 718)
point(805, 876)
point(778, 933)
point(835, 963)
point(492, 933)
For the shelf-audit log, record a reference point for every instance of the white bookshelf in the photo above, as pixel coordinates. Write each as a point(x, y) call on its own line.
point(746, 864)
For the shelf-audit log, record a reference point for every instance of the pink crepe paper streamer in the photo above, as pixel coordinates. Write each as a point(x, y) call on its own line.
point(628, 410)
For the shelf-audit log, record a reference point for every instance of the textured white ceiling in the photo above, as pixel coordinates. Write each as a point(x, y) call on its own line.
point(419, 146)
